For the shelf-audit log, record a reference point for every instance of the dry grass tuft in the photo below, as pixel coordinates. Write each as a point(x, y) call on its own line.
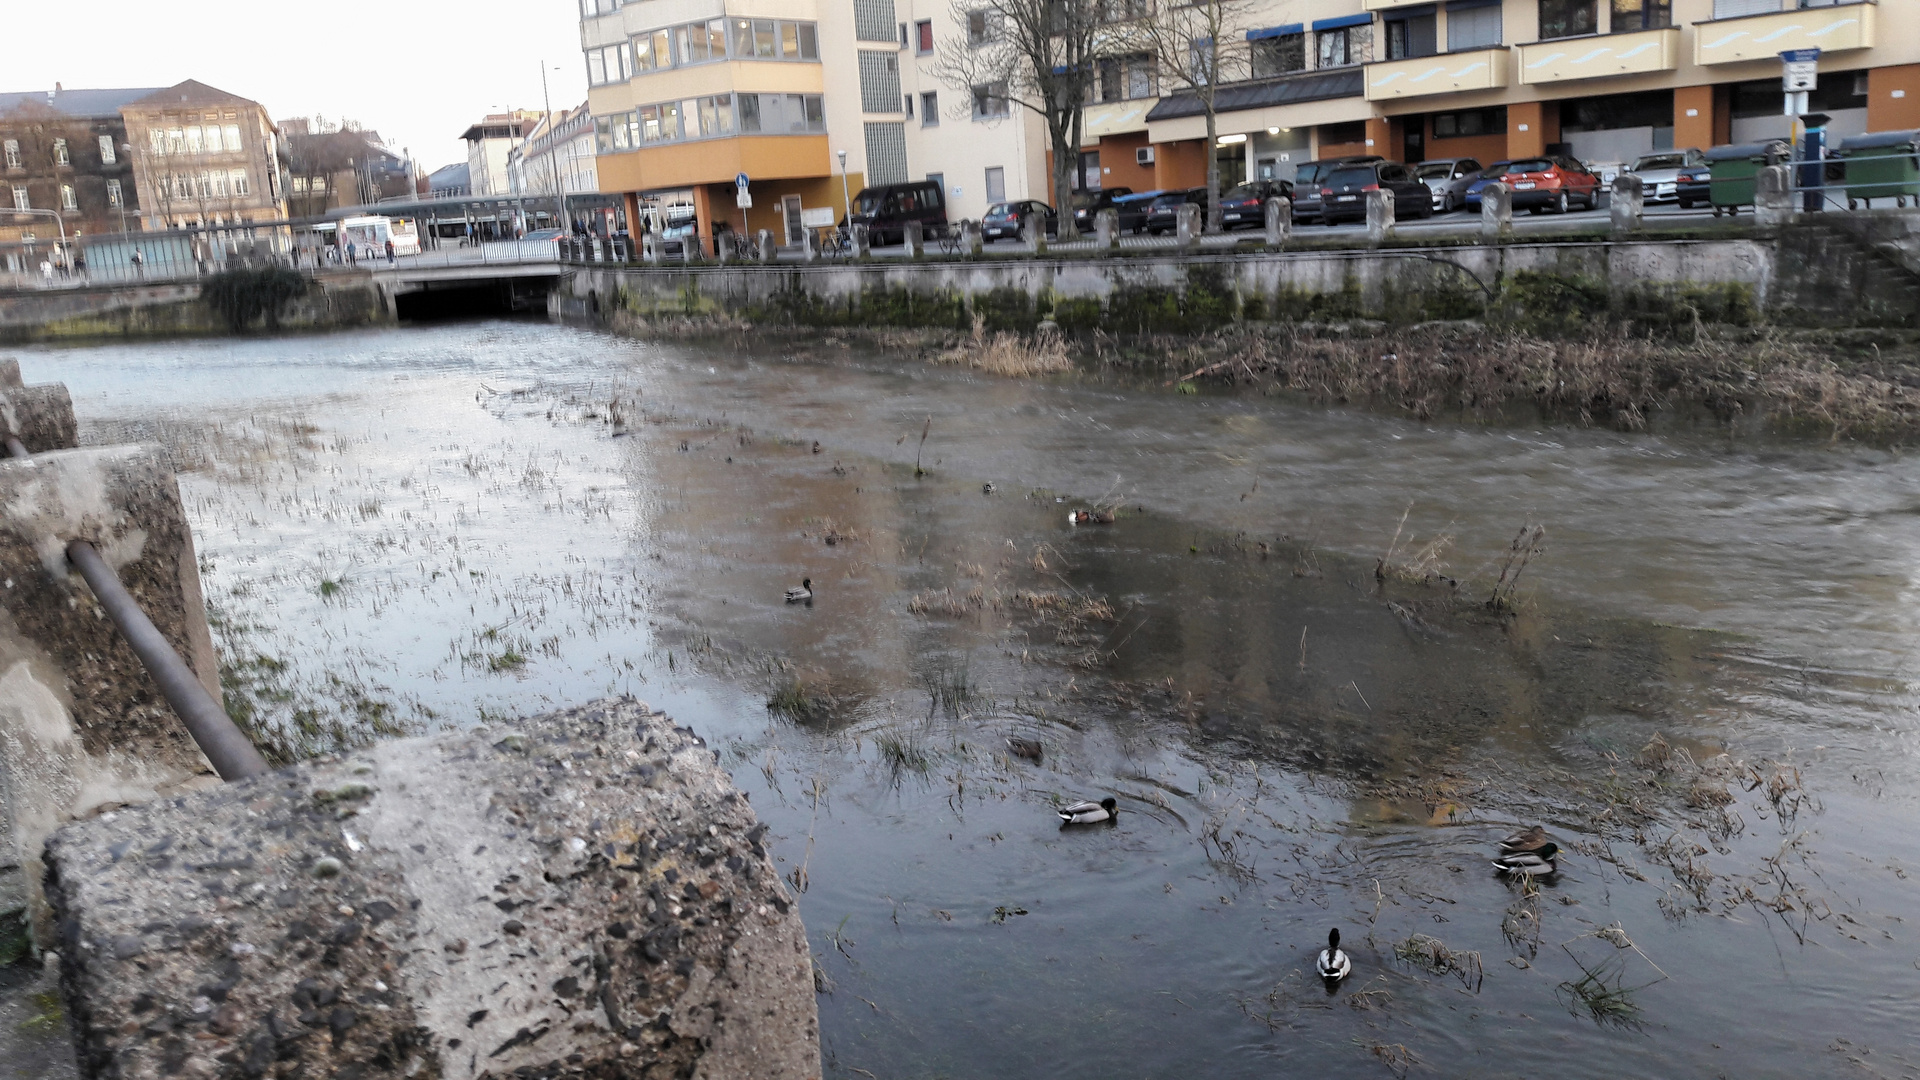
point(1008, 354)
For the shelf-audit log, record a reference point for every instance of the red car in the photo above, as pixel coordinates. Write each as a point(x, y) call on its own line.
point(1551, 183)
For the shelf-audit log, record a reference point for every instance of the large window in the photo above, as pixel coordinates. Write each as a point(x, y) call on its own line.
point(607, 65)
point(60, 155)
point(716, 116)
point(1631, 15)
point(1279, 54)
point(1411, 37)
point(20, 199)
point(979, 27)
point(702, 41)
point(1472, 26)
point(990, 100)
point(106, 150)
point(1454, 125)
point(13, 153)
point(1733, 9)
point(114, 198)
point(1336, 47)
point(873, 20)
point(68, 200)
point(1567, 18)
point(1125, 77)
point(590, 8)
point(923, 36)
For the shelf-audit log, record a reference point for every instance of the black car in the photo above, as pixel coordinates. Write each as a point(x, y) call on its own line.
point(1343, 194)
point(1089, 203)
point(1306, 184)
point(1693, 186)
point(1245, 206)
point(1133, 209)
point(1003, 220)
point(885, 211)
point(1164, 214)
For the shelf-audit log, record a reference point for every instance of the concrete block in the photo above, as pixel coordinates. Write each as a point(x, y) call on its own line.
point(1106, 230)
point(1496, 213)
point(1186, 227)
point(1279, 223)
point(1773, 196)
point(9, 372)
point(912, 238)
point(81, 723)
point(39, 416)
point(1629, 202)
point(971, 240)
point(862, 242)
point(583, 894)
point(650, 249)
point(1033, 232)
point(766, 246)
point(1379, 216)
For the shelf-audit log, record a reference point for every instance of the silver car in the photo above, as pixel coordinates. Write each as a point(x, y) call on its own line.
point(1661, 172)
point(1447, 178)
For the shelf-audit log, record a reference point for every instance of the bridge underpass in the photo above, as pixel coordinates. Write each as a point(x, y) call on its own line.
point(486, 279)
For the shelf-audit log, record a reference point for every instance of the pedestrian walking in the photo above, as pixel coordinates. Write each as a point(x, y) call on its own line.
point(389, 252)
point(139, 263)
point(353, 254)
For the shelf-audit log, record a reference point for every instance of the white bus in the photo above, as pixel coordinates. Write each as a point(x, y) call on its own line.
point(372, 233)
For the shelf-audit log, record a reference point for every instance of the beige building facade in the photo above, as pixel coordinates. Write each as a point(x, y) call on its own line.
point(204, 158)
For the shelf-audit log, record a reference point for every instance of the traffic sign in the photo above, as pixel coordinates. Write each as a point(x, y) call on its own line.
point(742, 199)
point(1799, 70)
point(740, 181)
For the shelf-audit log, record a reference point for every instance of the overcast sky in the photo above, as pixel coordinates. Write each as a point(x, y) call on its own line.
point(417, 72)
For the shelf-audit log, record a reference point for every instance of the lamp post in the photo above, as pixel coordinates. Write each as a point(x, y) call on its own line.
point(560, 195)
point(57, 220)
point(846, 200)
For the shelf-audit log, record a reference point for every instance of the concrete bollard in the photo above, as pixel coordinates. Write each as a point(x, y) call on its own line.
point(1629, 202)
point(1186, 227)
point(9, 372)
point(651, 249)
point(1279, 223)
point(862, 246)
point(1379, 216)
point(971, 240)
point(1773, 196)
point(82, 722)
point(1106, 230)
point(912, 239)
point(1033, 233)
point(1496, 213)
point(39, 416)
point(810, 247)
point(722, 251)
point(766, 248)
point(583, 893)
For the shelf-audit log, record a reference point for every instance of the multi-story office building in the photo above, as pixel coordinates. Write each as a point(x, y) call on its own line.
point(1490, 79)
point(204, 158)
point(810, 99)
point(488, 144)
point(66, 153)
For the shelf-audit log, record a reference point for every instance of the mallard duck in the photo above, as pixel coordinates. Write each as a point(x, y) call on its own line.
point(1024, 748)
point(1087, 813)
point(1526, 840)
point(1530, 863)
point(1089, 517)
point(804, 592)
point(989, 488)
point(1333, 964)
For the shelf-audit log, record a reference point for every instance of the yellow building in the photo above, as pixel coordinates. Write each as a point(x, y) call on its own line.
point(811, 101)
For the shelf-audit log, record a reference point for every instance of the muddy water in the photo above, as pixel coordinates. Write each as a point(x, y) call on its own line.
point(415, 527)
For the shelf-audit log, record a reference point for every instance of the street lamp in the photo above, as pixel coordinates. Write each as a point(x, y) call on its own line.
point(845, 199)
point(57, 220)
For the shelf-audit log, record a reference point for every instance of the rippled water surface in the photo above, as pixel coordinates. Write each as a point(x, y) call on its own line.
point(429, 526)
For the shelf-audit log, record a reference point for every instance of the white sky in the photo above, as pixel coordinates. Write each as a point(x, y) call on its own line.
point(416, 72)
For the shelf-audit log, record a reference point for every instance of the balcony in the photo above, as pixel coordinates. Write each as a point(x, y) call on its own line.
point(1765, 37)
point(1599, 56)
point(1115, 118)
point(1446, 73)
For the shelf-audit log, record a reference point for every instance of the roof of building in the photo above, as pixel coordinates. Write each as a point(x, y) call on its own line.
point(1291, 90)
point(190, 92)
point(448, 176)
point(76, 103)
point(520, 121)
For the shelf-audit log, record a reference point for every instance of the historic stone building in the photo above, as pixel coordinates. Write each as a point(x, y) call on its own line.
point(204, 157)
point(65, 154)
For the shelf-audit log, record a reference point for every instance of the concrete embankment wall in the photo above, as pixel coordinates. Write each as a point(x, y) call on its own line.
point(1818, 276)
point(178, 309)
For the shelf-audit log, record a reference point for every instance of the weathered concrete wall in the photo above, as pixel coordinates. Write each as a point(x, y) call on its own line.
point(1732, 279)
point(176, 310)
point(581, 894)
point(81, 723)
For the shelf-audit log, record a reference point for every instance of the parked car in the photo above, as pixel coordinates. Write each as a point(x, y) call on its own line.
point(545, 234)
point(1003, 220)
point(1343, 192)
point(885, 211)
point(1163, 216)
point(1087, 204)
point(1133, 209)
point(1471, 197)
point(1306, 184)
point(1692, 186)
point(1551, 183)
point(1447, 178)
point(1245, 206)
point(1661, 172)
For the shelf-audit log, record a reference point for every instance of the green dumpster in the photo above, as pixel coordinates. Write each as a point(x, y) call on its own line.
point(1732, 170)
point(1882, 165)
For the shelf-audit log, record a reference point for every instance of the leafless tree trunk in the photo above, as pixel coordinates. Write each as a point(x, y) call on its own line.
point(1036, 54)
point(1197, 47)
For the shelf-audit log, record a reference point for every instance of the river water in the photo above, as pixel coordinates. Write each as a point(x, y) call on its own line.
point(414, 527)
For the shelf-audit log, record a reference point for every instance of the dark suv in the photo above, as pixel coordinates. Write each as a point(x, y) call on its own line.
point(1306, 184)
point(886, 210)
point(1089, 203)
point(1343, 194)
point(1164, 215)
point(1245, 206)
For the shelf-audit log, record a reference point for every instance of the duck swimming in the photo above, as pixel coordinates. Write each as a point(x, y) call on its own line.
point(1526, 840)
point(1539, 862)
point(1333, 964)
point(1088, 813)
point(1089, 517)
point(1024, 748)
point(804, 592)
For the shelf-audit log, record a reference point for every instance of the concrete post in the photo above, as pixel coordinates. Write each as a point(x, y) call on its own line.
point(1628, 203)
point(912, 240)
point(651, 249)
point(1106, 230)
point(1279, 223)
point(767, 247)
point(583, 893)
point(971, 241)
point(862, 247)
point(1773, 196)
point(1379, 216)
point(1186, 227)
point(810, 246)
point(1033, 230)
point(722, 252)
point(1496, 213)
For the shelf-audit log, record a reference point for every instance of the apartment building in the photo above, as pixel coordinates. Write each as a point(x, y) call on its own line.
point(204, 157)
point(66, 153)
point(1496, 79)
point(488, 144)
point(556, 156)
point(810, 99)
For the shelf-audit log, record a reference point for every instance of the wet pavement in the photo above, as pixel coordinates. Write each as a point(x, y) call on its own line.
point(1278, 659)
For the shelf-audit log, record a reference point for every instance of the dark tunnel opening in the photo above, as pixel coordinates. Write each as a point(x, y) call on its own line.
point(474, 299)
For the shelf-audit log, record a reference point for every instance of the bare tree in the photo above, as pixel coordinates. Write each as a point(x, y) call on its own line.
point(1036, 54)
point(1192, 45)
